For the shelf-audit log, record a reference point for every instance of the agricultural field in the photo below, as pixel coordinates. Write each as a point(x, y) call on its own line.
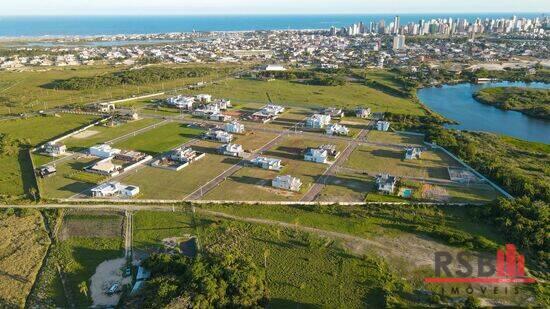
point(29, 91)
point(16, 176)
point(23, 245)
point(295, 94)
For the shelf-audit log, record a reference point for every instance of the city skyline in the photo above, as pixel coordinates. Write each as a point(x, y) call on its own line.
point(284, 7)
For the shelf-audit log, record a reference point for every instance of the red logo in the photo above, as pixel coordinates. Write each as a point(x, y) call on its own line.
point(509, 268)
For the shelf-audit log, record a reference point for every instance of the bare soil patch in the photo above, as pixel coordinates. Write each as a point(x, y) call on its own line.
point(107, 274)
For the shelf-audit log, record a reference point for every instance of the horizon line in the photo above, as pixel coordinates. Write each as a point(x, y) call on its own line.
point(267, 14)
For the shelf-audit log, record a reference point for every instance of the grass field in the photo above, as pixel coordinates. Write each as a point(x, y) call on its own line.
point(295, 94)
point(390, 160)
point(152, 227)
point(346, 187)
point(394, 138)
point(23, 244)
point(102, 134)
point(161, 139)
point(24, 91)
point(16, 176)
point(70, 178)
point(384, 77)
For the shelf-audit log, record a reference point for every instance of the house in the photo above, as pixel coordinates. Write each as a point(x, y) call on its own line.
point(203, 98)
point(334, 112)
point(114, 188)
point(103, 151)
point(233, 150)
point(54, 149)
point(46, 171)
point(181, 102)
point(130, 156)
point(382, 125)
point(267, 163)
point(206, 110)
point(222, 104)
point(316, 155)
point(273, 68)
point(318, 121)
point(218, 135)
point(331, 149)
point(412, 153)
point(105, 107)
point(104, 167)
point(386, 183)
point(267, 113)
point(287, 182)
point(220, 117)
point(337, 129)
point(234, 127)
point(185, 154)
point(362, 112)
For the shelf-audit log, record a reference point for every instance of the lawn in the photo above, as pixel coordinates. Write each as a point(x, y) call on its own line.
point(25, 91)
point(378, 159)
point(161, 139)
point(156, 183)
point(70, 178)
point(291, 93)
point(346, 187)
point(395, 138)
point(254, 140)
point(102, 134)
point(150, 228)
point(16, 177)
point(23, 245)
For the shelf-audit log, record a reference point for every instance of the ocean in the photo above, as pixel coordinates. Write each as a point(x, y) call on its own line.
point(39, 26)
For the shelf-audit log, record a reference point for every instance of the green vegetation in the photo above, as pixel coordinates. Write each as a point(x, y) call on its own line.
point(147, 234)
point(129, 77)
point(532, 102)
point(161, 139)
point(389, 82)
point(23, 245)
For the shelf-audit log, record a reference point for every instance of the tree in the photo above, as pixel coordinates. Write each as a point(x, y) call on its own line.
point(34, 193)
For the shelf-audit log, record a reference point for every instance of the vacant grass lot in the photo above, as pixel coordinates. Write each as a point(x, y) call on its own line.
point(394, 138)
point(16, 171)
point(346, 187)
point(102, 134)
point(70, 178)
point(156, 183)
point(292, 93)
point(433, 164)
point(23, 91)
point(161, 139)
point(150, 228)
point(254, 140)
point(23, 244)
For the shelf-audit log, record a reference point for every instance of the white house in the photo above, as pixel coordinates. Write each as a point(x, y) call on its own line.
point(412, 153)
point(234, 127)
point(54, 149)
point(222, 104)
point(105, 107)
point(316, 155)
point(203, 98)
point(382, 125)
point(233, 150)
point(103, 151)
point(287, 182)
point(114, 188)
point(182, 102)
point(267, 113)
point(184, 154)
point(274, 68)
point(337, 129)
point(363, 112)
point(333, 112)
point(386, 183)
point(318, 121)
point(105, 167)
point(267, 163)
point(220, 117)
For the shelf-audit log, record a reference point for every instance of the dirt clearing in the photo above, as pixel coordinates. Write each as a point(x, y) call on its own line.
point(106, 275)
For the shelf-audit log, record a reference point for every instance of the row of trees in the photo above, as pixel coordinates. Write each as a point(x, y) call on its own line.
point(129, 77)
point(211, 280)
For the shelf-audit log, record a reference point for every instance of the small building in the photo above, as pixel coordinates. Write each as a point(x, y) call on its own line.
point(363, 112)
point(337, 129)
point(220, 117)
point(111, 189)
point(267, 163)
point(234, 127)
point(185, 154)
point(46, 171)
point(333, 112)
point(203, 98)
point(386, 183)
point(267, 113)
point(331, 149)
point(222, 104)
point(104, 167)
point(318, 121)
point(287, 182)
point(130, 156)
point(103, 151)
point(382, 125)
point(412, 153)
point(273, 68)
point(218, 135)
point(181, 102)
point(106, 107)
point(234, 150)
point(54, 149)
point(316, 155)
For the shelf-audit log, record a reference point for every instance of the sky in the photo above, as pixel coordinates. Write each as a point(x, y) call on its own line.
point(205, 7)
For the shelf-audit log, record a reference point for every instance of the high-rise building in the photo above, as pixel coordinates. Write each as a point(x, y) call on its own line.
point(395, 29)
point(398, 42)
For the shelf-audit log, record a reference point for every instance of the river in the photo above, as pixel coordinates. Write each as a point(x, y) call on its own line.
point(457, 103)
